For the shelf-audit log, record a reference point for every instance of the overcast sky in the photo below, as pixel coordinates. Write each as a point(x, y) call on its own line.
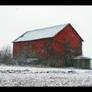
point(15, 20)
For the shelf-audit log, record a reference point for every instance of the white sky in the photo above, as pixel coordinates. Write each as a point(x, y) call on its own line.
point(15, 20)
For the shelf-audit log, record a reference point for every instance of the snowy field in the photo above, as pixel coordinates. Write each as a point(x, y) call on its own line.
point(15, 76)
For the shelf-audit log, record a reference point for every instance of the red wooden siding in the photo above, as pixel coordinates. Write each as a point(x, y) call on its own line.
point(37, 45)
point(68, 34)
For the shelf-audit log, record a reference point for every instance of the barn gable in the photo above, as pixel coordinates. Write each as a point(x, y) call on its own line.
point(76, 32)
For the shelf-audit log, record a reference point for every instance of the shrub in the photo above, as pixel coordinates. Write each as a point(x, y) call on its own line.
point(50, 62)
point(5, 55)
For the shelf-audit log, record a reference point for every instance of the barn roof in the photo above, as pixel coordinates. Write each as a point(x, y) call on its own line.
point(81, 57)
point(42, 33)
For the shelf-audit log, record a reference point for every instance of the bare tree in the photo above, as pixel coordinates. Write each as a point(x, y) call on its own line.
point(5, 55)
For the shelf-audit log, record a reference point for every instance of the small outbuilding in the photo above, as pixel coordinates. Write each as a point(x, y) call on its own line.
point(81, 62)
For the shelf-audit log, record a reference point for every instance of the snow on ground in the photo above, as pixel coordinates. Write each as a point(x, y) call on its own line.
point(44, 77)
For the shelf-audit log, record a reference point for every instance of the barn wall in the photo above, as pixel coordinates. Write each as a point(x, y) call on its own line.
point(69, 36)
point(39, 46)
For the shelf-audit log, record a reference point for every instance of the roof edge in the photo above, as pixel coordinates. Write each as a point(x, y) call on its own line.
point(33, 40)
point(76, 32)
point(20, 36)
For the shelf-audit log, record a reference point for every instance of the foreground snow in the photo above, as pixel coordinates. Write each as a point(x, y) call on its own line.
point(32, 76)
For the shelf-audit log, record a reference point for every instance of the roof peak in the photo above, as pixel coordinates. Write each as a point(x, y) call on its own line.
point(47, 27)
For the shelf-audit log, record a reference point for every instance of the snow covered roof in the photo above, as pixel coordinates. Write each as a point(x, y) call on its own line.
point(47, 32)
point(81, 57)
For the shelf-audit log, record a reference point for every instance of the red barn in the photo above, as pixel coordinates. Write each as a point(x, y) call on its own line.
point(59, 39)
